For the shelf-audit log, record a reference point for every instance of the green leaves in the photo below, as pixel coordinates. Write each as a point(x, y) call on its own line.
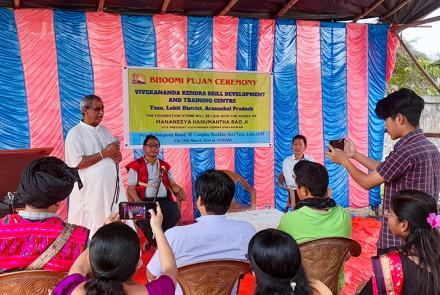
point(406, 74)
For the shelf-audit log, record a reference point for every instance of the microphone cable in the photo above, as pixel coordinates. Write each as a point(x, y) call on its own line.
point(161, 171)
point(117, 187)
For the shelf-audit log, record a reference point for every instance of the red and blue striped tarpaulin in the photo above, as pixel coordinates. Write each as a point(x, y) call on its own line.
point(327, 80)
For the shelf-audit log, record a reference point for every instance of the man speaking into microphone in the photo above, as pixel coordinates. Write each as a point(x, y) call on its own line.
point(150, 178)
point(92, 149)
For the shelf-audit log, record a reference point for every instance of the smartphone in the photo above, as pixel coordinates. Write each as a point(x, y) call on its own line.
point(136, 210)
point(337, 143)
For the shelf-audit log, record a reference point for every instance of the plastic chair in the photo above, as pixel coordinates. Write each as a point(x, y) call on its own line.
point(323, 259)
point(235, 207)
point(281, 181)
point(211, 277)
point(32, 282)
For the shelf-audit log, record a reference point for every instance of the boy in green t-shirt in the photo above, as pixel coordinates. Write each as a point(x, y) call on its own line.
point(316, 215)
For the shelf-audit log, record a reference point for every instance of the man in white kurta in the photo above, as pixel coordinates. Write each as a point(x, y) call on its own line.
point(92, 149)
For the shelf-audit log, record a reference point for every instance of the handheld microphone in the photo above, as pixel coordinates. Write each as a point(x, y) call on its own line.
point(162, 170)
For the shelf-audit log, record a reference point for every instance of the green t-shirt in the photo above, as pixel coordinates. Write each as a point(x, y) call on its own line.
point(306, 224)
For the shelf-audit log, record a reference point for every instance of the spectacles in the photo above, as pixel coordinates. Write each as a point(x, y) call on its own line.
point(98, 109)
point(152, 146)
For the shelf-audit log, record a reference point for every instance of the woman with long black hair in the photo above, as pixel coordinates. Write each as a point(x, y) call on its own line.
point(276, 264)
point(112, 259)
point(415, 267)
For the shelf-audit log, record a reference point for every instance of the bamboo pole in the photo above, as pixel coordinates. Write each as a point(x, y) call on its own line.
point(369, 9)
point(399, 28)
point(421, 69)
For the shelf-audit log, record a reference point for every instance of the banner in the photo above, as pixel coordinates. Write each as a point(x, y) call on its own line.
point(198, 108)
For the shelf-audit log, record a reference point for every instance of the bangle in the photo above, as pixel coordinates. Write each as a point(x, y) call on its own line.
point(102, 157)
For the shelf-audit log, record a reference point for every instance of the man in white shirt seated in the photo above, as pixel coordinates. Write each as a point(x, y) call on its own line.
point(212, 236)
point(299, 145)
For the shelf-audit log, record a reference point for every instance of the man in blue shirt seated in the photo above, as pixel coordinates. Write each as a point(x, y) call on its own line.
point(212, 236)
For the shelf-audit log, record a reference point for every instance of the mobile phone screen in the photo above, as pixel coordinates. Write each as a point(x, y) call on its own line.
point(135, 210)
point(338, 143)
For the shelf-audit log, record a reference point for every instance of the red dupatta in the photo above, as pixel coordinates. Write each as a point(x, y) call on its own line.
point(387, 274)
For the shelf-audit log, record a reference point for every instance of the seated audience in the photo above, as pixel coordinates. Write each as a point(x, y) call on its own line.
point(316, 215)
point(212, 236)
point(276, 264)
point(414, 268)
point(26, 237)
point(112, 259)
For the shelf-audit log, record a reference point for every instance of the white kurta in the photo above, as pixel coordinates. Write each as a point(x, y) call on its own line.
point(92, 204)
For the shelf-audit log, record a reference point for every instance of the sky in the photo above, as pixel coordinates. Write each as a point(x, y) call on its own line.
point(426, 40)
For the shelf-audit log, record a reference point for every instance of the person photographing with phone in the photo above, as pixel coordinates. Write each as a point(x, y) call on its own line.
point(413, 164)
point(150, 178)
point(112, 258)
point(92, 149)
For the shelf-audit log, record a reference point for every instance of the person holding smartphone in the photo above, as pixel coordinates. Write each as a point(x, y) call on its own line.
point(413, 164)
point(150, 178)
point(113, 257)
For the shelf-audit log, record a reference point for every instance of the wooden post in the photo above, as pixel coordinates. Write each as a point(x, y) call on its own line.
point(165, 6)
point(394, 10)
point(228, 7)
point(369, 9)
point(433, 135)
point(286, 8)
point(101, 5)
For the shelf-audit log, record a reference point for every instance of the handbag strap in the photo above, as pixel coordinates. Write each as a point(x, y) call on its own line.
point(53, 249)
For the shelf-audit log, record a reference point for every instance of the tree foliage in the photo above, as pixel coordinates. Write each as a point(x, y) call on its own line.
point(406, 74)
